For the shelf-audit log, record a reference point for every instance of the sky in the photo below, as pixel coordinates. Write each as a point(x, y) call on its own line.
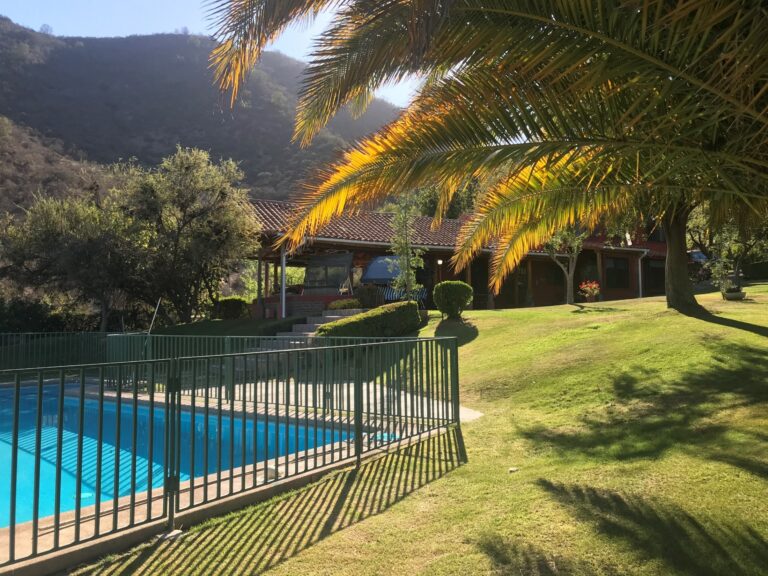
point(126, 17)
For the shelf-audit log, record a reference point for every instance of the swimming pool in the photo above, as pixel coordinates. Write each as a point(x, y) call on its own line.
point(145, 466)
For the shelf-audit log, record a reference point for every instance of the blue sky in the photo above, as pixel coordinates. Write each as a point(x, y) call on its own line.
point(126, 17)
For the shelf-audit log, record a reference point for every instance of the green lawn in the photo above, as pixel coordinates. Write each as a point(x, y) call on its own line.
point(640, 438)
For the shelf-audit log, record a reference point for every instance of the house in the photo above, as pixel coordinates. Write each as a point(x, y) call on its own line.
point(352, 246)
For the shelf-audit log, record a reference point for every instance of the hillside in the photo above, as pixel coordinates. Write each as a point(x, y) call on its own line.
point(139, 96)
point(33, 164)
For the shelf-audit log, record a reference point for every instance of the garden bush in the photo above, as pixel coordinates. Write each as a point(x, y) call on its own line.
point(231, 308)
point(396, 319)
point(369, 296)
point(452, 297)
point(345, 304)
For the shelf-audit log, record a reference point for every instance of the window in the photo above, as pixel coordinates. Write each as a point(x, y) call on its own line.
point(329, 271)
point(617, 273)
point(654, 277)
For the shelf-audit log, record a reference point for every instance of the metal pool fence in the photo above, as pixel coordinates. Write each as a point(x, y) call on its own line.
point(96, 449)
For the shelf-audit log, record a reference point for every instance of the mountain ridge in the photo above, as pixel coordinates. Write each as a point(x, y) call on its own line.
point(140, 96)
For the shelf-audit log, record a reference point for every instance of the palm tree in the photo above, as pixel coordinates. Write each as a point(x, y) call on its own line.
point(566, 111)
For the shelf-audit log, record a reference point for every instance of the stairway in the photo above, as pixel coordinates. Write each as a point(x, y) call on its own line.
point(312, 323)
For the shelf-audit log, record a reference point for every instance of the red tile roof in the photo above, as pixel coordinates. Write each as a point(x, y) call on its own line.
point(376, 228)
point(367, 227)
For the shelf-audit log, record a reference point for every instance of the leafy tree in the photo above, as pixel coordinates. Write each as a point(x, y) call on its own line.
point(174, 232)
point(564, 248)
point(409, 259)
point(90, 248)
point(730, 246)
point(202, 226)
point(461, 203)
point(576, 109)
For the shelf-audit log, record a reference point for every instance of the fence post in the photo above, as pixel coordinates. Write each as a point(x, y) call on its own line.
point(171, 485)
point(358, 404)
point(455, 400)
point(229, 372)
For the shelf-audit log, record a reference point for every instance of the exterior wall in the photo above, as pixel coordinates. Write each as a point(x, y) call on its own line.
point(295, 305)
point(608, 292)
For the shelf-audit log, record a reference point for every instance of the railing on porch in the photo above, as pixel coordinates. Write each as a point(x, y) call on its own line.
point(99, 448)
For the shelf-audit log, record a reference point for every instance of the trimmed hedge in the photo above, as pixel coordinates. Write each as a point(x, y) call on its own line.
point(232, 308)
point(369, 296)
point(396, 319)
point(452, 297)
point(344, 304)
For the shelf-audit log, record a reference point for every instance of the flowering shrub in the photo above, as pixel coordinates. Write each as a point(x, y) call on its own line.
point(589, 288)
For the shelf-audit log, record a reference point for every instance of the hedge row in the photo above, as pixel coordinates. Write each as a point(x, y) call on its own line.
point(345, 304)
point(396, 319)
point(232, 308)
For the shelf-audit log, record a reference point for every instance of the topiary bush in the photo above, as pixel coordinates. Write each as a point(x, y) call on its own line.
point(231, 308)
point(369, 296)
point(452, 297)
point(345, 304)
point(396, 319)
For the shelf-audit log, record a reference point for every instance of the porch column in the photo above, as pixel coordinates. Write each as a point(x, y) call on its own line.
point(282, 281)
point(259, 294)
point(599, 254)
point(640, 274)
point(266, 280)
point(468, 280)
point(275, 277)
point(531, 296)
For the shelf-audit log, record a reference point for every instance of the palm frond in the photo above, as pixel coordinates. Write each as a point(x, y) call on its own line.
point(243, 27)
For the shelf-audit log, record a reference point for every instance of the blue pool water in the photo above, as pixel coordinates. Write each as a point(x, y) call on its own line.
point(275, 436)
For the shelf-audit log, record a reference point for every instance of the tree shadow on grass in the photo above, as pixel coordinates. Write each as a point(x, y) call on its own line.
point(706, 316)
point(463, 330)
point(593, 309)
point(258, 538)
point(661, 532)
point(649, 415)
point(510, 558)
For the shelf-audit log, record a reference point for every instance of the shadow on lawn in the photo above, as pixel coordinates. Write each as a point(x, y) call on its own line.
point(256, 539)
point(463, 330)
point(706, 316)
point(658, 531)
point(592, 309)
point(649, 415)
point(515, 558)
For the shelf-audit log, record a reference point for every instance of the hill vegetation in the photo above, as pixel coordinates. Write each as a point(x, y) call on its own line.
point(140, 96)
point(32, 164)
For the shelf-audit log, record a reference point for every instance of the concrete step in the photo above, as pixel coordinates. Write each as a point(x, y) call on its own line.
point(306, 327)
point(350, 312)
point(295, 334)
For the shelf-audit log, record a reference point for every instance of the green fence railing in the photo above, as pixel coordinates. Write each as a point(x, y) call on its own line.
point(37, 349)
point(100, 448)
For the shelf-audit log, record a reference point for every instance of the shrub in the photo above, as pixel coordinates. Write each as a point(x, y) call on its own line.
point(396, 319)
point(369, 296)
point(452, 297)
point(344, 304)
point(231, 308)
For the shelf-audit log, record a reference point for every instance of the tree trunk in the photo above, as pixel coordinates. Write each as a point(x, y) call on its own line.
point(678, 284)
point(105, 310)
point(572, 260)
point(569, 298)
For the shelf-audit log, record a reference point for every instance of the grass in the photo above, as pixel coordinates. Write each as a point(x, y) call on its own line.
point(638, 435)
point(239, 327)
